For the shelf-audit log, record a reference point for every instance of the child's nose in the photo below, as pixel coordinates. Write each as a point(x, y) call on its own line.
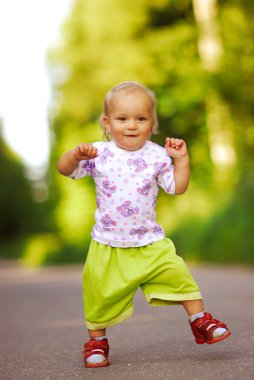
point(132, 124)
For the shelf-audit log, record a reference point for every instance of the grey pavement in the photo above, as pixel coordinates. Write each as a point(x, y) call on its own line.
point(42, 330)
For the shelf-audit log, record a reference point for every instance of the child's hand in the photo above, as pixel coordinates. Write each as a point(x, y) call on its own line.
point(85, 151)
point(176, 148)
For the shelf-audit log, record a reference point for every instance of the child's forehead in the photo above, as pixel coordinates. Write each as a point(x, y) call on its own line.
point(129, 94)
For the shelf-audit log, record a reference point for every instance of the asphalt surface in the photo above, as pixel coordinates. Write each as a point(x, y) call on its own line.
point(42, 330)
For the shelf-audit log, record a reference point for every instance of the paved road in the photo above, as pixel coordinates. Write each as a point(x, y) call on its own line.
point(42, 330)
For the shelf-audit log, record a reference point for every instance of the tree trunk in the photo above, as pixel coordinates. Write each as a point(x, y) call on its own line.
point(218, 119)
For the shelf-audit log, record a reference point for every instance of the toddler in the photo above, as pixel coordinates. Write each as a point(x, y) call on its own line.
point(128, 249)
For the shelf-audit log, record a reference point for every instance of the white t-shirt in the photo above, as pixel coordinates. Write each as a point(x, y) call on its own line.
point(126, 192)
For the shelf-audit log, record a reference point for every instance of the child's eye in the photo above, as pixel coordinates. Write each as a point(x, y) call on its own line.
point(121, 118)
point(141, 118)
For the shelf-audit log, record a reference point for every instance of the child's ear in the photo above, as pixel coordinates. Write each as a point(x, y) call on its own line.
point(106, 124)
point(105, 121)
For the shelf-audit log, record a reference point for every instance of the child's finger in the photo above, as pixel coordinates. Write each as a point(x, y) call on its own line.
point(94, 152)
point(87, 150)
point(173, 142)
point(82, 148)
point(79, 150)
point(168, 142)
point(178, 143)
point(91, 151)
point(181, 143)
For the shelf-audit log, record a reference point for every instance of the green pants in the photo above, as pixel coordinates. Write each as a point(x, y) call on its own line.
point(112, 276)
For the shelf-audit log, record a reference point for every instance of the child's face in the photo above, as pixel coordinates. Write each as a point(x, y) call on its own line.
point(130, 119)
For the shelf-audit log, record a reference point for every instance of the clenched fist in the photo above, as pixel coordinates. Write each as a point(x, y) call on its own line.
point(85, 151)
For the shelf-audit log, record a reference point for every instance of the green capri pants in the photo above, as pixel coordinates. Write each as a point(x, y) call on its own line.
point(112, 276)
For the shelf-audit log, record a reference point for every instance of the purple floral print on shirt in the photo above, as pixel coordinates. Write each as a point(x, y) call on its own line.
point(138, 163)
point(105, 154)
point(107, 222)
point(144, 190)
point(157, 229)
point(140, 231)
point(158, 166)
point(127, 210)
point(127, 185)
point(89, 166)
point(107, 189)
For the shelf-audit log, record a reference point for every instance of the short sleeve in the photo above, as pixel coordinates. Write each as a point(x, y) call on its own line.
point(84, 168)
point(165, 177)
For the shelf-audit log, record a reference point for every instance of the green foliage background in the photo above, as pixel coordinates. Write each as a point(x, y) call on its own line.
point(156, 43)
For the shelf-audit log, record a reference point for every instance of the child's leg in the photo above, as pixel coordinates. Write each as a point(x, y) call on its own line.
point(96, 349)
point(96, 333)
point(205, 328)
point(193, 307)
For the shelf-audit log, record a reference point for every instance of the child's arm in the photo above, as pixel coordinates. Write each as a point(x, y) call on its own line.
point(177, 149)
point(70, 160)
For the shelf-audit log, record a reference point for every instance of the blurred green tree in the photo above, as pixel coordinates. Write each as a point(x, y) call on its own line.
point(20, 214)
point(191, 53)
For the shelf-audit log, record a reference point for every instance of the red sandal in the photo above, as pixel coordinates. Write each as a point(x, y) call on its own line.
point(96, 347)
point(204, 327)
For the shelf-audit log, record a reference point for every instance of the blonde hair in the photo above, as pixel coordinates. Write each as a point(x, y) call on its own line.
point(128, 87)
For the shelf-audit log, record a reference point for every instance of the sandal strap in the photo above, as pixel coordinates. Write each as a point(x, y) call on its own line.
point(206, 329)
point(213, 320)
point(96, 347)
point(206, 325)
